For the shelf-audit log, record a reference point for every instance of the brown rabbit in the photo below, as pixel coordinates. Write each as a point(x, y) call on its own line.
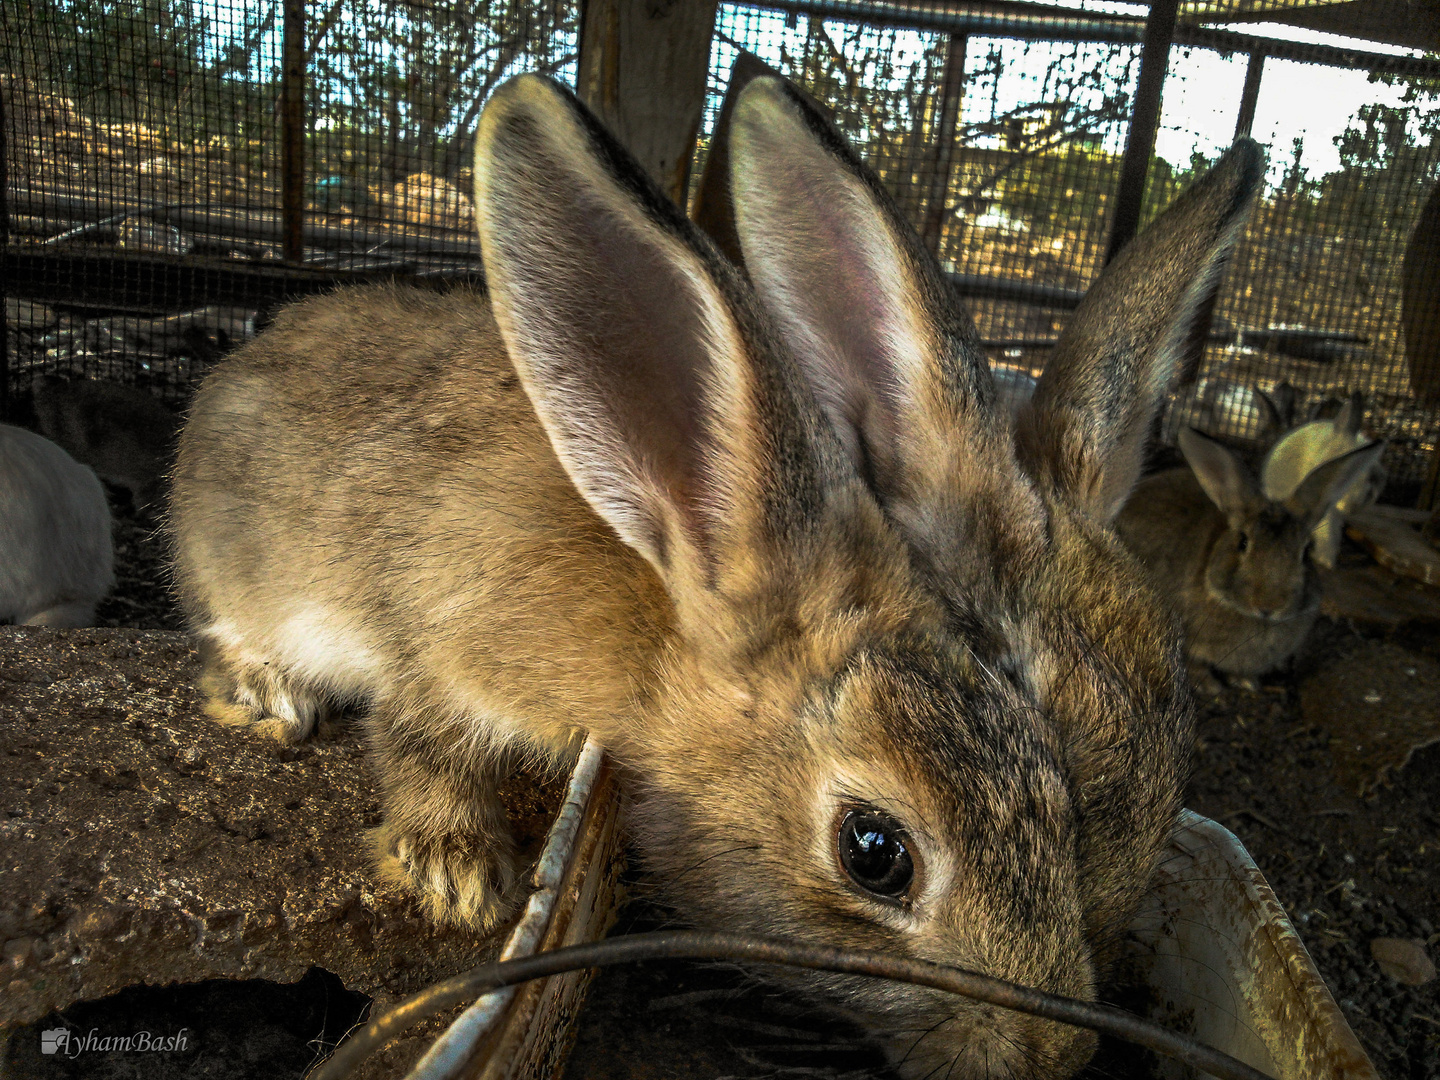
point(1238, 563)
point(877, 678)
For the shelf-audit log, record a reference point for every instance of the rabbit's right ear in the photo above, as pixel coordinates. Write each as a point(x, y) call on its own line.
point(714, 208)
point(636, 344)
point(1327, 484)
point(890, 354)
point(1222, 474)
point(1277, 411)
point(1084, 431)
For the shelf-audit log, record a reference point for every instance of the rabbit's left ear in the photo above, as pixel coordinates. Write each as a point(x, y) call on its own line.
point(893, 358)
point(1222, 475)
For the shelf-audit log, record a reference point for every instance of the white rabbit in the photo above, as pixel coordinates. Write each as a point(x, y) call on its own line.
point(56, 555)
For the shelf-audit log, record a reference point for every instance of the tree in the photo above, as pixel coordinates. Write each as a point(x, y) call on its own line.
point(401, 82)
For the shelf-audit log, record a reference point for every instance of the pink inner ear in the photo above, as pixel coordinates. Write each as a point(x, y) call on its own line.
point(640, 351)
point(829, 274)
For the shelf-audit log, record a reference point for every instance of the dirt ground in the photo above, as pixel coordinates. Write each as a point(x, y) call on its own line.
point(1273, 766)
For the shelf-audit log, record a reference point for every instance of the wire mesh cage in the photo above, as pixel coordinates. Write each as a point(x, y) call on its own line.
point(152, 209)
point(1002, 139)
point(145, 157)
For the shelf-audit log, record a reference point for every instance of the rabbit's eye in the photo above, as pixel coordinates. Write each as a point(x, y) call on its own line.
point(873, 851)
point(1243, 544)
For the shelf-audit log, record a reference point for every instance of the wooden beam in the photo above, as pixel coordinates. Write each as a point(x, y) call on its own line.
point(106, 278)
point(644, 67)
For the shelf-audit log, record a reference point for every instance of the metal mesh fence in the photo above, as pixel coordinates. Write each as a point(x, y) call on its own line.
point(144, 171)
point(1316, 286)
point(147, 223)
point(1010, 172)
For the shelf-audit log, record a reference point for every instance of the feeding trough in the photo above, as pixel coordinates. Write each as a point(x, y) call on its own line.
point(1211, 951)
point(1220, 961)
point(524, 1032)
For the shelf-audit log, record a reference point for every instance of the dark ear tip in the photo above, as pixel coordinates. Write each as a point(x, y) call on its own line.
point(1247, 161)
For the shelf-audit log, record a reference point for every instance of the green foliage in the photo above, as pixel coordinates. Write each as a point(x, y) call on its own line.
point(168, 64)
point(398, 81)
point(401, 83)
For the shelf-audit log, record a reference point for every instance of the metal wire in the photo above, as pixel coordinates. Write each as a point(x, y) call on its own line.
point(1020, 186)
point(703, 945)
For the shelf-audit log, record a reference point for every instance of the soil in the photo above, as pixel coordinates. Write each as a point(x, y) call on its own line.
point(1348, 867)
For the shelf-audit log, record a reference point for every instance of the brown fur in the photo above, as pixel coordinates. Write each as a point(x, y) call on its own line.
point(634, 501)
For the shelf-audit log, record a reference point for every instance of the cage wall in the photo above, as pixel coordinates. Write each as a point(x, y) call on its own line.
point(143, 140)
point(152, 130)
point(1015, 191)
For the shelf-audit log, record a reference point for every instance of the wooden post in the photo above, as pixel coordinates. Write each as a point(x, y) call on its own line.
point(952, 93)
point(1154, 60)
point(292, 132)
point(644, 67)
point(1250, 95)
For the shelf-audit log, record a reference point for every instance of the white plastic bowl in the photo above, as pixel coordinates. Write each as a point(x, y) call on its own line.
point(1222, 962)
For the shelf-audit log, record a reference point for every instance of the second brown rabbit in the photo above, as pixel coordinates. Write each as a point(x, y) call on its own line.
point(1238, 565)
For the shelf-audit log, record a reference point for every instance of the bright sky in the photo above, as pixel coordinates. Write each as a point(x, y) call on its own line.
point(1309, 101)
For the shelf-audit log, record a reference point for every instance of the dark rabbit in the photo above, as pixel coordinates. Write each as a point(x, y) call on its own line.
point(1237, 563)
point(122, 432)
point(876, 667)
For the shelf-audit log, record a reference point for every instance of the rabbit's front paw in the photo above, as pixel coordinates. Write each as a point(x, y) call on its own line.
point(1203, 679)
point(461, 880)
point(260, 697)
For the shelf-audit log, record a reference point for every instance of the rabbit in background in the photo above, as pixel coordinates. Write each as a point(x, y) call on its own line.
point(1237, 562)
point(56, 555)
point(1261, 426)
point(1300, 450)
point(874, 665)
point(122, 432)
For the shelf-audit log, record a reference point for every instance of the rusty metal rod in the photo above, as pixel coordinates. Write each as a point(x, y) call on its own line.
point(1154, 61)
point(744, 948)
